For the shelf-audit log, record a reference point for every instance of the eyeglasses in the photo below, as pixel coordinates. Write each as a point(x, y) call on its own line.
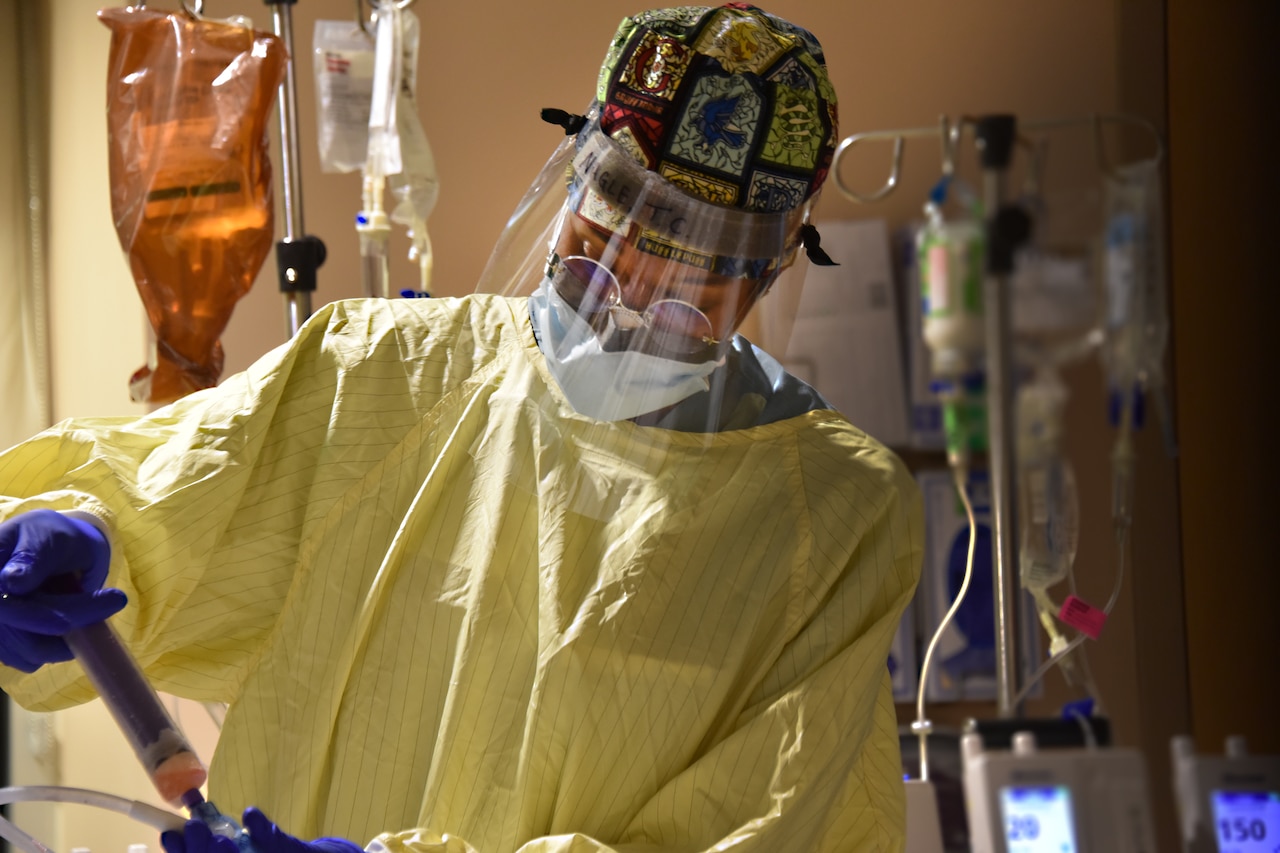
point(671, 328)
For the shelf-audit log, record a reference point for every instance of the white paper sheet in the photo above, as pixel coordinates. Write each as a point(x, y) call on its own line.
point(847, 339)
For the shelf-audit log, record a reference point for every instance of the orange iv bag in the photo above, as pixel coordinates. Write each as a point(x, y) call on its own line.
point(188, 101)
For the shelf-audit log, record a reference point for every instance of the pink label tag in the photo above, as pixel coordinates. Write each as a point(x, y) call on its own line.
point(939, 279)
point(1082, 616)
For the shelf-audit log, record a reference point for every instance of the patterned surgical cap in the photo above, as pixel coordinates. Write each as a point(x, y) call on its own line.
point(731, 104)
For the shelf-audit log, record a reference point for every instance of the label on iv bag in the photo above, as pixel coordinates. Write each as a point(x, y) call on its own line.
point(938, 282)
point(343, 64)
point(951, 257)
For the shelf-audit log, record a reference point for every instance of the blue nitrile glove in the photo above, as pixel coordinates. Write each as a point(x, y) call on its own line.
point(265, 835)
point(52, 567)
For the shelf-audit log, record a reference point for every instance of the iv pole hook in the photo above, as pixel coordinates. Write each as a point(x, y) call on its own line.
point(950, 142)
point(950, 135)
point(1100, 147)
point(365, 22)
point(894, 175)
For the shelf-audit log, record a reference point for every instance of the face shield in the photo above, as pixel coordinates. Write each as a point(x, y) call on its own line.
point(636, 287)
point(652, 268)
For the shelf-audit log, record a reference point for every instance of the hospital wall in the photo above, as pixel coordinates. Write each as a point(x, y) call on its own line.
point(485, 73)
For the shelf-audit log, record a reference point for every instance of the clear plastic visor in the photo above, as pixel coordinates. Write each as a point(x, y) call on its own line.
point(646, 265)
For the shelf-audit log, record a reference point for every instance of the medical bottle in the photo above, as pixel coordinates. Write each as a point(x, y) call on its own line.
point(951, 256)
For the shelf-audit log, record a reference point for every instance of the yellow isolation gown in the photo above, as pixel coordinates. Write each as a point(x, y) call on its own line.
point(450, 614)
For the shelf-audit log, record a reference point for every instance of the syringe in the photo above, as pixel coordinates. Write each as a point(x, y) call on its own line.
point(168, 758)
point(164, 752)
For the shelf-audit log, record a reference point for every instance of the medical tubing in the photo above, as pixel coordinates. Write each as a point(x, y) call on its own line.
point(1122, 545)
point(133, 703)
point(157, 819)
point(922, 727)
point(144, 813)
point(1086, 729)
point(1122, 459)
point(421, 252)
point(1091, 684)
point(19, 839)
point(374, 230)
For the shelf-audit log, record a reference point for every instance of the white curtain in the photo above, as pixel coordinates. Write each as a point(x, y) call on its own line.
point(24, 358)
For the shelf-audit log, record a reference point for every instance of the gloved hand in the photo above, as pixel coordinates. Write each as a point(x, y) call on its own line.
point(266, 836)
point(52, 567)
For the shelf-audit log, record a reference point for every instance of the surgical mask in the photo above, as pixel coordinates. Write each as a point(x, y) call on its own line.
point(604, 385)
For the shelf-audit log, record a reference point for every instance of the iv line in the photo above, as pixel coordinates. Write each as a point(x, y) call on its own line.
point(923, 727)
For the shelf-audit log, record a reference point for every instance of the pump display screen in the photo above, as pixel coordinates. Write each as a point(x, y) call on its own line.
point(1038, 819)
point(1247, 821)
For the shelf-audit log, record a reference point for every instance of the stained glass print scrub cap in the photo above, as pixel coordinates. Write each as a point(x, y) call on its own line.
point(731, 104)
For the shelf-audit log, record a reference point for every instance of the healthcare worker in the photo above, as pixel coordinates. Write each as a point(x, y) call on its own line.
point(569, 567)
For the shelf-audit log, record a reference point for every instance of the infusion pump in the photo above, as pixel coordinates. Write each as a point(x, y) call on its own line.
point(1026, 800)
point(1228, 803)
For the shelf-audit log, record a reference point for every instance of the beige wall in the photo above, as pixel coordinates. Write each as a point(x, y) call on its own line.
point(97, 337)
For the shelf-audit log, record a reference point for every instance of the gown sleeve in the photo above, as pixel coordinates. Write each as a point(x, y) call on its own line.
point(206, 500)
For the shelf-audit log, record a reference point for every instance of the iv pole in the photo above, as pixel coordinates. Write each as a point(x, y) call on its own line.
point(1007, 227)
point(995, 136)
point(298, 255)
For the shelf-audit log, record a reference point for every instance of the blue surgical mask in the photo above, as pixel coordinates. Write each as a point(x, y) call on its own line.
point(607, 386)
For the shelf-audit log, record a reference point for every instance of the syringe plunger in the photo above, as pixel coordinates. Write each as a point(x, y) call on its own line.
point(165, 754)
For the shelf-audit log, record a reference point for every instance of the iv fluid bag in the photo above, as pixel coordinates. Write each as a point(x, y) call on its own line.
point(1050, 511)
point(1049, 506)
point(1137, 321)
point(188, 104)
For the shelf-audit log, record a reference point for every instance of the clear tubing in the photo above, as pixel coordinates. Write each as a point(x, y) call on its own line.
point(923, 727)
point(374, 271)
point(374, 229)
point(1121, 546)
point(19, 839)
point(144, 813)
point(1122, 460)
point(164, 752)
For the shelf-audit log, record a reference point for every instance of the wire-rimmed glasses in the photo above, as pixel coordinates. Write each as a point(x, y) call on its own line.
point(670, 328)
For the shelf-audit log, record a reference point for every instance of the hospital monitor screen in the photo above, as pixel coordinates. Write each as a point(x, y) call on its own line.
point(1038, 819)
point(1247, 821)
